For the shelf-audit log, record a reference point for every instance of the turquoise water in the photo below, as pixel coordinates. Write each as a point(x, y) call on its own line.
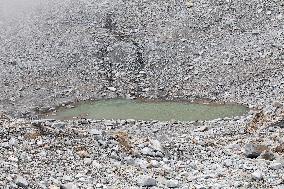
point(141, 110)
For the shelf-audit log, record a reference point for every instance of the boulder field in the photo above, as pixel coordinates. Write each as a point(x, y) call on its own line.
point(57, 52)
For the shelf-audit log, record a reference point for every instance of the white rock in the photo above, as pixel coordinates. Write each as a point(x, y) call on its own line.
point(156, 145)
point(95, 132)
point(257, 175)
point(172, 183)
point(154, 163)
point(13, 142)
point(96, 164)
point(147, 151)
point(67, 178)
point(202, 129)
point(88, 161)
point(130, 120)
point(276, 166)
point(141, 163)
point(147, 181)
point(228, 163)
point(13, 158)
point(111, 89)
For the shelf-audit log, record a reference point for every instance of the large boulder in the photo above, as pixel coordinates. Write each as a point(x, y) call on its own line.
point(254, 150)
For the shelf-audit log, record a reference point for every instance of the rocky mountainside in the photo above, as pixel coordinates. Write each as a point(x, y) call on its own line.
point(66, 50)
point(55, 52)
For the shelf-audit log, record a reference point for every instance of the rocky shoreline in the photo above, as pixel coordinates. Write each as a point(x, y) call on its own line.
point(133, 154)
point(56, 53)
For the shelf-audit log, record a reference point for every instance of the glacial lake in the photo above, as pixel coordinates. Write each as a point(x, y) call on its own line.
point(149, 110)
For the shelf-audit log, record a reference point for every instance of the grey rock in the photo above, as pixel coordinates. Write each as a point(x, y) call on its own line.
point(172, 183)
point(115, 156)
point(13, 141)
point(276, 165)
point(37, 122)
point(67, 178)
point(131, 121)
point(59, 125)
point(154, 163)
point(156, 145)
point(228, 163)
point(141, 163)
point(267, 155)
point(159, 154)
point(5, 145)
point(21, 181)
point(95, 132)
point(254, 150)
point(13, 158)
point(147, 151)
point(202, 129)
point(147, 181)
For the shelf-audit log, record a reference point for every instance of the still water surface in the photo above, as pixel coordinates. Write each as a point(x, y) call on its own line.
point(141, 110)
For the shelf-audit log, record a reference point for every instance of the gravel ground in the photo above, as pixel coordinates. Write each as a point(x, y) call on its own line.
point(135, 154)
point(53, 53)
